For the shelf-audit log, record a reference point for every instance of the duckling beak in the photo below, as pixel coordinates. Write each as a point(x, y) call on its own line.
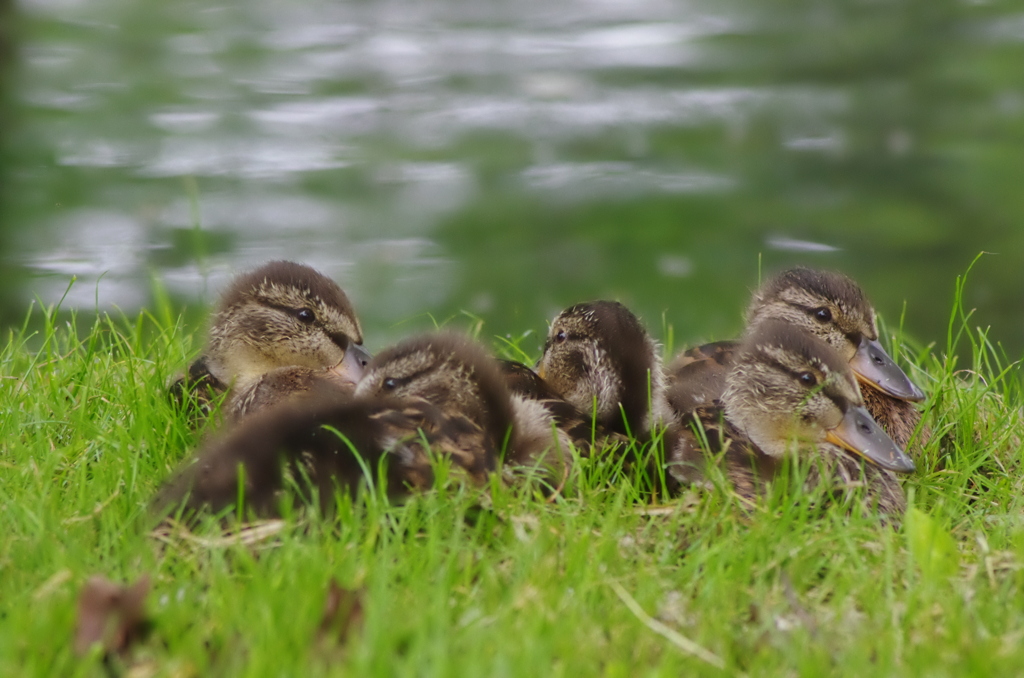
point(876, 369)
point(352, 366)
point(859, 433)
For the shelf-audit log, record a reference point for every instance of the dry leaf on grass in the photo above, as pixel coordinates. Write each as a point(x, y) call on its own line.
point(343, 613)
point(111, 615)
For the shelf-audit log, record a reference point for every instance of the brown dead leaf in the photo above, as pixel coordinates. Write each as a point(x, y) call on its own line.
point(112, 615)
point(343, 614)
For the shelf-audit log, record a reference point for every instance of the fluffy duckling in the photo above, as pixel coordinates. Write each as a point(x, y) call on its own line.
point(787, 390)
point(440, 368)
point(434, 395)
point(830, 306)
point(280, 330)
point(599, 358)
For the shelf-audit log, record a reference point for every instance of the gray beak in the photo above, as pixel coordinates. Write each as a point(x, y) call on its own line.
point(859, 434)
point(875, 368)
point(353, 365)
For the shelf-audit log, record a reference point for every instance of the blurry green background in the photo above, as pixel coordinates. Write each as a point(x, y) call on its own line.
point(510, 158)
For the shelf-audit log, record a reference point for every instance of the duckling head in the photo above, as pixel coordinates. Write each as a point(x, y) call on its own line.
point(599, 357)
point(787, 386)
point(449, 370)
point(285, 314)
point(833, 307)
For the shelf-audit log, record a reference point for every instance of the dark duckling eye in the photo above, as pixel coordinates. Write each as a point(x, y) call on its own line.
point(305, 315)
point(822, 314)
point(560, 337)
point(807, 379)
point(390, 384)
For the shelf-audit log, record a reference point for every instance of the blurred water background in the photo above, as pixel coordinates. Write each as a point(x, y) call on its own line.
point(509, 158)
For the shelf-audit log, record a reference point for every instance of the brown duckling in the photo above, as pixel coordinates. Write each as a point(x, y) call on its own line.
point(438, 369)
point(830, 306)
point(440, 395)
point(280, 330)
point(788, 391)
point(599, 358)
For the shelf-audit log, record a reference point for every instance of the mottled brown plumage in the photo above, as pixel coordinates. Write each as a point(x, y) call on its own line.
point(697, 376)
point(522, 380)
point(437, 395)
point(828, 305)
point(599, 358)
point(898, 418)
point(439, 368)
point(577, 427)
point(600, 380)
point(281, 330)
point(788, 393)
point(325, 444)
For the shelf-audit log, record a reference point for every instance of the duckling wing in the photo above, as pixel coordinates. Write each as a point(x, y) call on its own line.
point(696, 377)
point(197, 390)
point(704, 438)
point(691, 443)
point(421, 426)
point(284, 383)
point(333, 445)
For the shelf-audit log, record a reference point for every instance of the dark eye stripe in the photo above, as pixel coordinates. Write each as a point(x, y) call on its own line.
point(809, 310)
point(294, 312)
point(398, 382)
point(838, 399)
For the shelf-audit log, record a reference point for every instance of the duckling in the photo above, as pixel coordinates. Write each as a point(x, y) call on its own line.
point(433, 395)
point(280, 330)
point(438, 368)
point(830, 306)
point(599, 357)
point(787, 390)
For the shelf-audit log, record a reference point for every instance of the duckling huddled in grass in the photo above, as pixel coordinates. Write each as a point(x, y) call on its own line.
point(595, 377)
point(787, 392)
point(830, 306)
point(790, 388)
point(434, 396)
point(784, 390)
point(280, 330)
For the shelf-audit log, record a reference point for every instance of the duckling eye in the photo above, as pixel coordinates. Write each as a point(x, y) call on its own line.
point(305, 315)
point(390, 384)
point(560, 337)
point(807, 378)
point(822, 314)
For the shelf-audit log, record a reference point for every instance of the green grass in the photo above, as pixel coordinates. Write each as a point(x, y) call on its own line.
point(469, 582)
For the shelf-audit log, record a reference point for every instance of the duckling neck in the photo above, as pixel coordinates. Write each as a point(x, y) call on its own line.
point(642, 402)
point(745, 409)
point(239, 371)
